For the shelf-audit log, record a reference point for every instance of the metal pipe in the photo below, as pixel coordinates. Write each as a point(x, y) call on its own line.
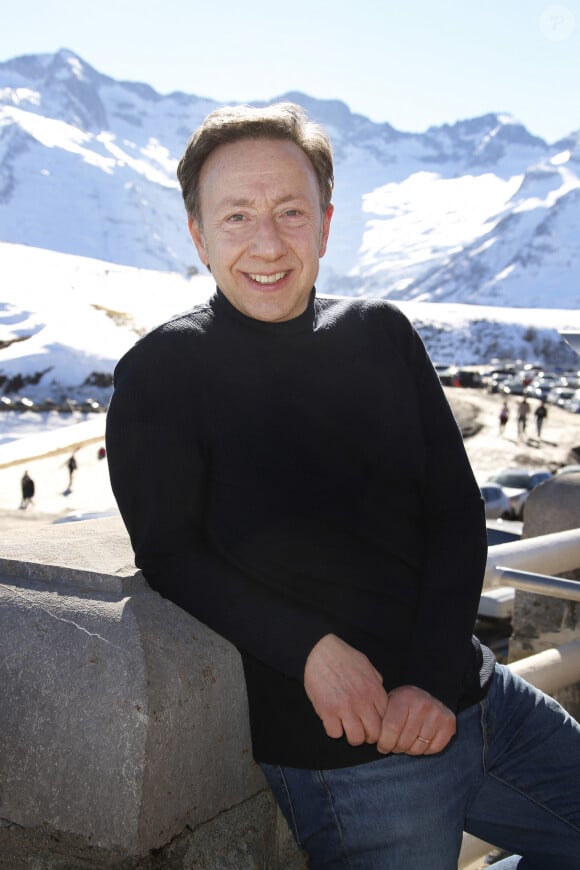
point(546, 554)
point(556, 587)
point(551, 669)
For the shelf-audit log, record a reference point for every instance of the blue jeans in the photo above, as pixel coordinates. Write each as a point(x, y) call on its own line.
point(510, 776)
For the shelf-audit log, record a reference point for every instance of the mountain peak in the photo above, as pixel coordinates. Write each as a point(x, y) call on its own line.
point(500, 125)
point(66, 64)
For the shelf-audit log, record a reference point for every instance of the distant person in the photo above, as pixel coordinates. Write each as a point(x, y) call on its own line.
point(72, 467)
point(540, 414)
point(27, 485)
point(523, 411)
point(504, 416)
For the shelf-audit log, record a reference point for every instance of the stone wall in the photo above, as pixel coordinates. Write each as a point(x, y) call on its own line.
point(125, 736)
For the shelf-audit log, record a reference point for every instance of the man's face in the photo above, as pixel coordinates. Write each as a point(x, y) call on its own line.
point(262, 231)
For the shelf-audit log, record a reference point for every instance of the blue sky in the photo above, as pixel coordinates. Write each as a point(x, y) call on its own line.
point(413, 63)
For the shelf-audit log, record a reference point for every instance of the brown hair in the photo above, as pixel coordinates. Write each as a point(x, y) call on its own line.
point(232, 123)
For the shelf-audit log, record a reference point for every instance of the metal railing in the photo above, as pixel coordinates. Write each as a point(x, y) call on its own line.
point(545, 554)
point(555, 587)
point(552, 669)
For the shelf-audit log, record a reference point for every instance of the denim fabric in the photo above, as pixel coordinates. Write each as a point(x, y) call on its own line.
point(511, 776)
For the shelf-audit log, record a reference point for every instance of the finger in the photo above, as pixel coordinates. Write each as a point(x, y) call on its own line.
point(426, 717)
point(353, 730)
point(433, 737)
point(371, 722)
point(417, 724)
point(420, 746)
point(441, 740)
point(394, 721)
point(378, 675)
point(381, 701)
point(333, 726)
point(436, 728)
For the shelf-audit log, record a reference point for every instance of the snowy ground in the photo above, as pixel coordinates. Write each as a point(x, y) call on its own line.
point(41, 445)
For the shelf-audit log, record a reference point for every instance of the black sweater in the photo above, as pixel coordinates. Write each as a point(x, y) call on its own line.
point(281, 481)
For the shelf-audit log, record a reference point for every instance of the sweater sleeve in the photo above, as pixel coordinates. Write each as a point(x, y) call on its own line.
point(455, 545)
point(157, 466)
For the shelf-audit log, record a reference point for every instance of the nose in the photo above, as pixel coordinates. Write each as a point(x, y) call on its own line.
point(268, 242)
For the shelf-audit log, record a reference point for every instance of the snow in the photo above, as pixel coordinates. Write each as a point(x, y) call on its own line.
point(75, 316)
point(45, 432)
point(426, 215)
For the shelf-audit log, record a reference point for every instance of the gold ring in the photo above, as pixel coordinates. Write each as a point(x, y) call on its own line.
point(423, 740)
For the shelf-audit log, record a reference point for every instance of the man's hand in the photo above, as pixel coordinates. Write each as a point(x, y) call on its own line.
point(345, 690)
point(415, 723)
point(347, 693)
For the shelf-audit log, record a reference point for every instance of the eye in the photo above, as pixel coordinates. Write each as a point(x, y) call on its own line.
point(235, 218)
point(293, 216)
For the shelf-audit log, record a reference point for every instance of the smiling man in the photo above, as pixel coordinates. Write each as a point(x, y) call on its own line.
point(312, 502)
point(263, 229)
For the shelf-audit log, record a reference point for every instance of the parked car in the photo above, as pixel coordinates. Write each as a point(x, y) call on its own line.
point(23, 403)
point(512, 387)
point(517, 484)
point(497, 504)
point(569, 469)
point(573, 404)
point(540, 387)
point(560, 396)
point(91, 405)
point(570, 379)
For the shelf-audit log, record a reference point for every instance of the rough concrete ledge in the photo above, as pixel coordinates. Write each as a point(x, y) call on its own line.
point(553, 506)
point(124, 720)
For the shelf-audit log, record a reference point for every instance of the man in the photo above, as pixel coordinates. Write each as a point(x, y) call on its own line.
point(540, 413)
point(523, 411)
point(313, 503)
point(27, 487)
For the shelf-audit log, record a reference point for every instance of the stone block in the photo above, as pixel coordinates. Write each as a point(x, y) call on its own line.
point(124, 720)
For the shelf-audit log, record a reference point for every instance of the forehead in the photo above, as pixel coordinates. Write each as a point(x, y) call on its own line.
point(273, 166)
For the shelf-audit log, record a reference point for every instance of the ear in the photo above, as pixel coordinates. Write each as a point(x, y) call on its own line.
point(326, 219)
point(198, 240)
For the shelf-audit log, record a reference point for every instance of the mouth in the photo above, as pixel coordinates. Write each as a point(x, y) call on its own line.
point(267, 280)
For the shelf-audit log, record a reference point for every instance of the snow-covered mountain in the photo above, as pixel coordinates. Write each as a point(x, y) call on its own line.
point(95, 247)
point(479, 211)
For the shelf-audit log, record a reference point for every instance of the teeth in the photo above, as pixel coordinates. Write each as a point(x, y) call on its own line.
point(268, 279)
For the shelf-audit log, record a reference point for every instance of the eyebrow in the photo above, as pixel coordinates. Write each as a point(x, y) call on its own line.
point(241, 202)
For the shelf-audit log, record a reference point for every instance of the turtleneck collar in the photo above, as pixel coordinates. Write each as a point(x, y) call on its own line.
point(303, 323)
